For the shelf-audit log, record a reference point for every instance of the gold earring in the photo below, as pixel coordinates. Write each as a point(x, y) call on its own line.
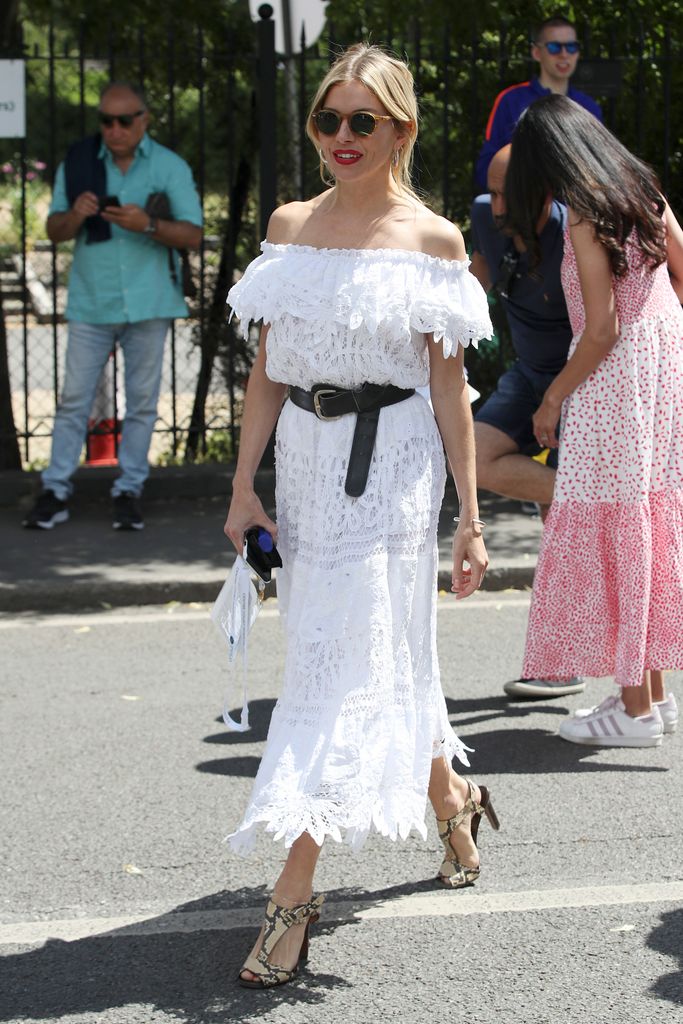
point(322, 158)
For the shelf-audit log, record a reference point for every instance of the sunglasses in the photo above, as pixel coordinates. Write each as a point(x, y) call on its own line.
point(361, 123)
point(554, 47)
point(125, 120)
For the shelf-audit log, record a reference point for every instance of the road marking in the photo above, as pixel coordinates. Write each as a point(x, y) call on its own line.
point(437, 904)
point(182, 613)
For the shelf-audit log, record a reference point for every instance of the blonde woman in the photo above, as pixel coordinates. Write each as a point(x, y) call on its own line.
point(364, 295)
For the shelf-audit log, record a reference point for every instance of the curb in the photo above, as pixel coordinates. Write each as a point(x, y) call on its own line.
point(92, 483)
point(93, 595)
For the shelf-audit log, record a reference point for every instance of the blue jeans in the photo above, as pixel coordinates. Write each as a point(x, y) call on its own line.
point(87, 352)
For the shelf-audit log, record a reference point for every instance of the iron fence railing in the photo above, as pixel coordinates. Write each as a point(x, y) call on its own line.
point(237, 114)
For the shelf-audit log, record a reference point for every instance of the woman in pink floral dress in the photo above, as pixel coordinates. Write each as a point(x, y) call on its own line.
point(608, 592)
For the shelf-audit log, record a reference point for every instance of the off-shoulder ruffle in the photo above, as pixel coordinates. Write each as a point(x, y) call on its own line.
point(396, 288)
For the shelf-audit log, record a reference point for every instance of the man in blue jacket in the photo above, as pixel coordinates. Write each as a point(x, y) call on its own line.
point(125, 288)
point(556, 49)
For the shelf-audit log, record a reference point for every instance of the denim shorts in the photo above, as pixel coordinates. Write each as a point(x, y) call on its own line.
point(511, 406)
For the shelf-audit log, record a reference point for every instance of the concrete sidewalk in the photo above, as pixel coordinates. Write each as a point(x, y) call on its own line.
point(182, 554)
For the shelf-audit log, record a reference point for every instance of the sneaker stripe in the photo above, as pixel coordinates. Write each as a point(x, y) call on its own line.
point(615, 726)
point(591, 728)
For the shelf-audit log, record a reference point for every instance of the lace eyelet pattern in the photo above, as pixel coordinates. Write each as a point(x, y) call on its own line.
point(361, 713)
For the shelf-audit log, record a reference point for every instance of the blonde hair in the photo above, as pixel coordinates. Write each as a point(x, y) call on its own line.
point(392, 83)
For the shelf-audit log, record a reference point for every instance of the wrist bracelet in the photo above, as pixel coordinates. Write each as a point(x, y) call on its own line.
point(479, 522)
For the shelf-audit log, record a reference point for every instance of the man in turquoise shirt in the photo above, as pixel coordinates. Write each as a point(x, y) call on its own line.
point(121, 290)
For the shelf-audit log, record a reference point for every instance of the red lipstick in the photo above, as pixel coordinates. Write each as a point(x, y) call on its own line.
point(346, 156)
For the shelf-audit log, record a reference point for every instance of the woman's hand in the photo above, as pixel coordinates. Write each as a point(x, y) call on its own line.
point(246, 510)
point(545, 421)
point(469, 560)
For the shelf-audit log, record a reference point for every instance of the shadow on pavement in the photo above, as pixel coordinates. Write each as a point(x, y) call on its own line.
point(667, 938)
point(536, 751)
point(244, 766)
point(259, 719)
point(485, 709)
point(240, 767)
point(506, 751)
point(189, 975)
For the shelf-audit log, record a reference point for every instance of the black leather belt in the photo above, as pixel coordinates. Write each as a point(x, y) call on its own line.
point(330, 403)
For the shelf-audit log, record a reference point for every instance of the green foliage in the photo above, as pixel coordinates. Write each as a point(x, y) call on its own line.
point(470, 51)
point(218, 448)
point(462, 54)
point(22, 188)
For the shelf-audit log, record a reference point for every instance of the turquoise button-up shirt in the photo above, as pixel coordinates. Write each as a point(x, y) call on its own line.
point(128, 278)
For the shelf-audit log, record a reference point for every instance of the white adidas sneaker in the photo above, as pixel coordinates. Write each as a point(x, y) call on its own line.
point(668, 709)
point(608, 725)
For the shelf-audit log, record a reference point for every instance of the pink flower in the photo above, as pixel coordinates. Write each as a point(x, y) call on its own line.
point(7, 169)
point(30, 175)
point(39, 165)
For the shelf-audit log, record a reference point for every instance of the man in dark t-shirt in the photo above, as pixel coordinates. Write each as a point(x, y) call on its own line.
point(536, 311)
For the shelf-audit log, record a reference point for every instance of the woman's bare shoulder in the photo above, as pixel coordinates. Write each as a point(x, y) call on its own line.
point(288, 221)
point(440, 237)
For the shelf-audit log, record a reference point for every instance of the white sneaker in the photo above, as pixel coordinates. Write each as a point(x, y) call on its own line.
point(544, 687)
point(604, 705)
point(608, 725)
point(668, 709)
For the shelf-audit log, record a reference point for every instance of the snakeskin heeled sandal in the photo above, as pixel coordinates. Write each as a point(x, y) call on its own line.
point(279, 920)
point(453, 874)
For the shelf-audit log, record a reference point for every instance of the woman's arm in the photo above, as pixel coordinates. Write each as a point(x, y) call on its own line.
point(262, 406)
point(599, 335)
point(451, 404)
point(674, 251)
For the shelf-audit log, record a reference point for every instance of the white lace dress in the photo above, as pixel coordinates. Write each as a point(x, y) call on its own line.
point(361, 713)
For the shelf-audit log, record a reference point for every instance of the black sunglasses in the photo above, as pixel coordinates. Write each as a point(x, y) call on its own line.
point(125, 120)
point(362, 122)
point(554, 47)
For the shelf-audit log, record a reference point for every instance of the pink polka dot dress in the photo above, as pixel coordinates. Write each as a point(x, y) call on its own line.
point(608, 590)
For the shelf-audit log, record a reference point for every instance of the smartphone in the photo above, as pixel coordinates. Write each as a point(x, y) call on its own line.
point(260, 553)
point(108, 201)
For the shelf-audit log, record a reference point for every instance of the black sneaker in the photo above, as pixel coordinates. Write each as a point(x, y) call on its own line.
point(127, 514)
point(47, 512)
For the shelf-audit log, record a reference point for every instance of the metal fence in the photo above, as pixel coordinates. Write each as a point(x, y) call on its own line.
point(205, 95)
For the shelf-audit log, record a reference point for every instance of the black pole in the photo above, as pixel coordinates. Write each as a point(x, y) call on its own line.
point(267, 116)
point(666, 176)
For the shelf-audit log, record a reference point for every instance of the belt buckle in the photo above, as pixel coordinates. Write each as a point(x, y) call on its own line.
point(322, 393)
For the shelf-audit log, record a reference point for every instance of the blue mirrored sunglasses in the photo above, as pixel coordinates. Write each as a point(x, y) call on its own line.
point(553, 46)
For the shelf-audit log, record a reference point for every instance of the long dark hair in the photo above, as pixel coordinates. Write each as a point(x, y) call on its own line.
point(559, 149)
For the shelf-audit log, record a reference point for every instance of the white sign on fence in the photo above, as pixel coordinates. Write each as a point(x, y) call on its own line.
point(12, 99)
point(308, 13)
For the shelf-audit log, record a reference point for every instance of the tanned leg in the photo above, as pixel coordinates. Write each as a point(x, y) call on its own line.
point(638, 699)
point(657, 685)
point(502, 468)
point(293, 887)
point(448, 793)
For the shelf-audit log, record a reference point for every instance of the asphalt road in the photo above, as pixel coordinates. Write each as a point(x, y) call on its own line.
point(121, 904)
